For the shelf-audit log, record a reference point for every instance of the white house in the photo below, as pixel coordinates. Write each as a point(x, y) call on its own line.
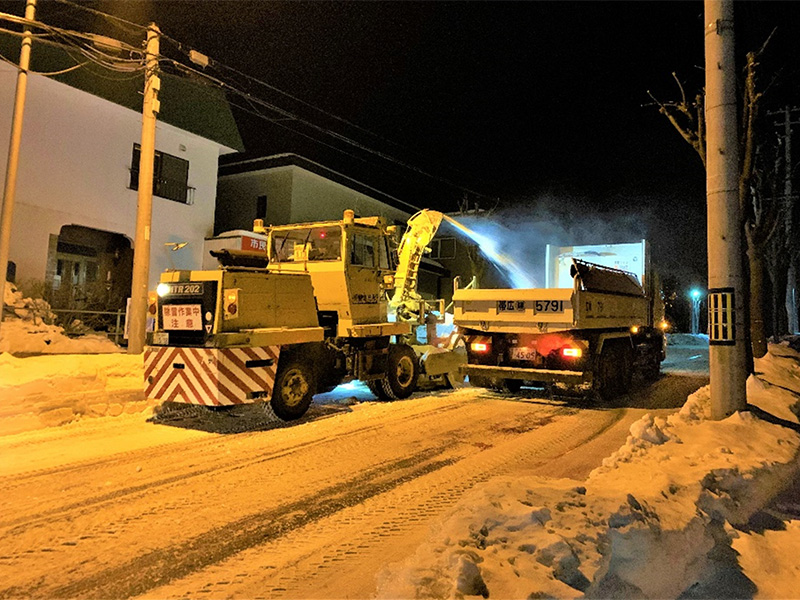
point(288, 188)
point(75, 212)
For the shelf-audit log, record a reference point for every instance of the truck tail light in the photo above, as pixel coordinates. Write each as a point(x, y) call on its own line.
point(152, 303)
point(571, 352)
point(479, 346)
point(230, 304)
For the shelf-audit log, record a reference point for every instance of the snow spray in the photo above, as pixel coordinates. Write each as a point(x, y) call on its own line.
point(489, 247)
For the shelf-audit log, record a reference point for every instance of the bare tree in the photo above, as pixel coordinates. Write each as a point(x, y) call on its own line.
point(759, 209)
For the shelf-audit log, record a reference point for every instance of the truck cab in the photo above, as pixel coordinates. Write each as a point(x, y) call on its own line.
point(348, 262)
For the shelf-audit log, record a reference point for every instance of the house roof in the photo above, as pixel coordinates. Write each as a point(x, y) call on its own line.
point(237, 163)
point(187, 104)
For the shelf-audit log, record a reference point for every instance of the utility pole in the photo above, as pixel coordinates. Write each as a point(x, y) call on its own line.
point(10, 189)
point(144, 211)
point(726, 324)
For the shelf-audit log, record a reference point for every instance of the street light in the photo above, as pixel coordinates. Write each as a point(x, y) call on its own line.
point(696, 296)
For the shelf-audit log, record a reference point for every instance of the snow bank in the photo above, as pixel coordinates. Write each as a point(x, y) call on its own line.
point(663, 516)
point(28, 329)
point(44, 391)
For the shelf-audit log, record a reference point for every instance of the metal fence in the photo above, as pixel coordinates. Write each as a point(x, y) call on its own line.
point(118, 330)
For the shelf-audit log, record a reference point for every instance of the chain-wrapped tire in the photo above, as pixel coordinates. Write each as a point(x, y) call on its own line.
point(402, 372)
point(293, 390)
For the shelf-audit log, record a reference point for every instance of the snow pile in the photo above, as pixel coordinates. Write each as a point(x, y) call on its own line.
point(670, 513)
point(28, 329)
point(687, 339)
point(43, 391)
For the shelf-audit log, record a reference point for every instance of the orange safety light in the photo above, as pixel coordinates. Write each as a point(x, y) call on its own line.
point(152, 303)
point(571, 352)
point(230, 305)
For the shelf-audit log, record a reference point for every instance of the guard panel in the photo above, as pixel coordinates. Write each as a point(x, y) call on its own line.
point(209, 376)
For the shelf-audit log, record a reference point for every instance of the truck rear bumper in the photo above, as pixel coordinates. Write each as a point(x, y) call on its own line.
point(544, 375)
point(209, 376)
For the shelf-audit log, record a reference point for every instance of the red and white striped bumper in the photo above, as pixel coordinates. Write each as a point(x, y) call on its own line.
point(209, 376)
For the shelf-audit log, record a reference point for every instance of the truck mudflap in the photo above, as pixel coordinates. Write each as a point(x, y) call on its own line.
point(544, 375)
point(210, 376)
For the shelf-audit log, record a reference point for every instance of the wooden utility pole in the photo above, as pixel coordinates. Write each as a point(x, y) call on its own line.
point(726, 322)
point(10, 188)
point(141, 248)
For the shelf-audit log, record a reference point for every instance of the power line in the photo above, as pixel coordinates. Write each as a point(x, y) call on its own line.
point(133, 28)
point(91, 52)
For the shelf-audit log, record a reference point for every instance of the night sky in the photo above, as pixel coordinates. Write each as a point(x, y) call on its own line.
point(542, 106)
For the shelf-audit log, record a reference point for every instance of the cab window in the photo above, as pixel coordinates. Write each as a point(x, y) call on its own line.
point(312, 244)
point(363, 250)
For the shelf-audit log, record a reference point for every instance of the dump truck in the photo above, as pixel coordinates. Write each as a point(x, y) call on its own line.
point(328, 302)
point(591, 336)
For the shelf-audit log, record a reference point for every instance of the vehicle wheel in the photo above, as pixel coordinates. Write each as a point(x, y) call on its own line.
point(606, 377)
point(402, 372)
point(294, 387)
point(512, 386)
point(625, 370)
point(376, 387)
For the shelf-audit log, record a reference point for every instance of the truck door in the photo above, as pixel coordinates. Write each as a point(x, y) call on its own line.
point(368, 258)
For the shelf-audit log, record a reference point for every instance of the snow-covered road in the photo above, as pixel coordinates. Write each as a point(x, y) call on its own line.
point(230, 505)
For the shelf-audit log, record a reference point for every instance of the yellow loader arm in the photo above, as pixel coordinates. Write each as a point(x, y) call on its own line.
point(406, 301)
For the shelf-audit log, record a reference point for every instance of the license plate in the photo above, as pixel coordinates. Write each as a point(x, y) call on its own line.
point(523, 354)
point(182, 317)
point(548, 306)
point(185, 289)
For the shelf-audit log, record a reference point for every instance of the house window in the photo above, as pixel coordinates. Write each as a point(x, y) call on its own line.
point(170, 176)
point(261, 207)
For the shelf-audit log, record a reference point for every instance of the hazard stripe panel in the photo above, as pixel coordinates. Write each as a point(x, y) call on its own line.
point(209, 376)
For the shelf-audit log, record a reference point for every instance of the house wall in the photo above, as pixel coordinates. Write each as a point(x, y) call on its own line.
point(74, 168)
point(316, 198)
point(237, 195)
point(294, 195)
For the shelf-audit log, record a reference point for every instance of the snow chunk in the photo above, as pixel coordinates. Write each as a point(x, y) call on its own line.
point(29, 329)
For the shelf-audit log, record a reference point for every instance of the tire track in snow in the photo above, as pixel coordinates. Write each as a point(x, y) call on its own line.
point(196, 448)
point(148, 570)
point(299, 564)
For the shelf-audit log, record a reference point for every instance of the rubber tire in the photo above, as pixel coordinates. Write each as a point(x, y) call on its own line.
point(625, 370)
point(402, 373)
point(293, 390)
point(376, 388)
point(606, 375)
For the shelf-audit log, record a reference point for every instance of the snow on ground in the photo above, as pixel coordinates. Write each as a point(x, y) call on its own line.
point(27, 329)
point(51, 390)
point(679, 510)
point(66, 378)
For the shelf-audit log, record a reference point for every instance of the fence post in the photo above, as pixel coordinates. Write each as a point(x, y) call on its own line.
point(116, 329)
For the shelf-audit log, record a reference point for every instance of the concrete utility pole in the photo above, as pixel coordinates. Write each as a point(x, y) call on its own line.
point(726, 324)
point(141, 248)
point(10, 189)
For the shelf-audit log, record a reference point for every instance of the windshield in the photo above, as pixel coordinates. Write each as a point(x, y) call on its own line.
point(311, 244)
